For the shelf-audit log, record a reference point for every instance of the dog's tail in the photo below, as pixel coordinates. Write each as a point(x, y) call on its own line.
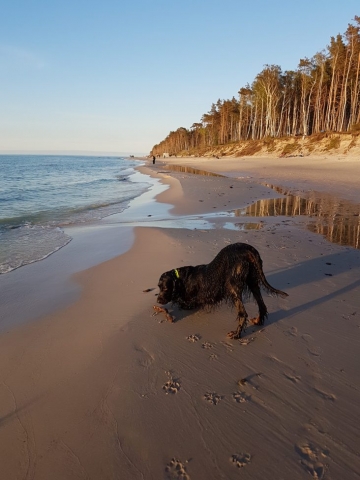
point(272, 290)
point(257, 263)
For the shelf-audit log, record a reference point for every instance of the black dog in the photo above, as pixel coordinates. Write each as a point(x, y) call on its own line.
point(235, 272)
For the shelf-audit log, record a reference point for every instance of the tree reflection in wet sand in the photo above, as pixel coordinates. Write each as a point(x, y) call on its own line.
point(336, 219)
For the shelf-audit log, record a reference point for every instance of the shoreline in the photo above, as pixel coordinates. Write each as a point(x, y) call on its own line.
point(338, 173)
point(84, 389)
point(42, 291)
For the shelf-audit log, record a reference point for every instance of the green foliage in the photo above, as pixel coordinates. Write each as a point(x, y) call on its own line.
point(320, 98)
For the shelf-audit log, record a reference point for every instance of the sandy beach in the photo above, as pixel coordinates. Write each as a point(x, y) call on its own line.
point(101, 389)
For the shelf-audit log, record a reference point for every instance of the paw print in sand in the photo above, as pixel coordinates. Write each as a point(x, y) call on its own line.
point(176, 469)
point(312, 458)
point(241, 459)
point(171, 386)
point(246, 341)
point(193, 338)
point(240, 397)
point(213, 397)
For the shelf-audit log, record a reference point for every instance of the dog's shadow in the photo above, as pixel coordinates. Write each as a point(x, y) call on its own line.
point(314, 273)
point(180, 314)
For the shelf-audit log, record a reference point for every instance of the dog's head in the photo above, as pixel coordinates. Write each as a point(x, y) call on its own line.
point(167, 286)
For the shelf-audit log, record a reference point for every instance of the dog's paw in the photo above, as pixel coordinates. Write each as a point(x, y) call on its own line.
point(164, 310)
point(257, 321)
point(234, 335)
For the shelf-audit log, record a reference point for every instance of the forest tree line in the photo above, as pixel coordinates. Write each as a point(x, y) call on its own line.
point(321, 95)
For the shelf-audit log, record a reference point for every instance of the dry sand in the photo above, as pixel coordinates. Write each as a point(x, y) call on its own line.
point(104, 390)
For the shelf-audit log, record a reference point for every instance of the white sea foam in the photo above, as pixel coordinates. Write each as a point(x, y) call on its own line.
point(39, 194)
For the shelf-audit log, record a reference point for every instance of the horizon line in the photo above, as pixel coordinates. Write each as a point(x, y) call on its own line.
point(72, 152)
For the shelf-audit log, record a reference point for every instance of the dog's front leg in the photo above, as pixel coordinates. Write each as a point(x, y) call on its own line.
point(242, 317)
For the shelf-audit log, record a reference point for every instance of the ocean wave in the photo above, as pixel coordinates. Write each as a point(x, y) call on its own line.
point(42, 194)
point(28, 243)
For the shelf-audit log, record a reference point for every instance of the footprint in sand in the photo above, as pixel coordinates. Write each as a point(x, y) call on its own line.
point(276, 360)
point(325, 395)
point(207, 345)
point(176, 469)
point(193, 338)
point(213, 356)
point(246, 341)
point(144, 358)
point(240, 397)
point(229, 347)
point(213, 398)
point(292, 378)
point(312, 349)
point(240, 459)
point(307, 338)
point(347, 316)
point(171, 386)
point(293, 331)
point(311, 459)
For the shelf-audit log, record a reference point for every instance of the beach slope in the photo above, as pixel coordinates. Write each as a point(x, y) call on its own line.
point(105, 390)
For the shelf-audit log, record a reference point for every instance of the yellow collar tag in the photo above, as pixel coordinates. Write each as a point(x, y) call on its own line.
point(176, 273)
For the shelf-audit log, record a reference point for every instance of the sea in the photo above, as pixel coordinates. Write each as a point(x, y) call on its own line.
point(41, 195)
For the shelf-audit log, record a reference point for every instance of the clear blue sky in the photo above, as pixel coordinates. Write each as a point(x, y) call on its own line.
point(116, 76)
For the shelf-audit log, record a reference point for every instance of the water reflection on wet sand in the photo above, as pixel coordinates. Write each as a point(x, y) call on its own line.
point(194, 171)
point(336, 219)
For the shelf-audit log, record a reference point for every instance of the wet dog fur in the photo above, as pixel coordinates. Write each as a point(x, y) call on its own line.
point(235, 273)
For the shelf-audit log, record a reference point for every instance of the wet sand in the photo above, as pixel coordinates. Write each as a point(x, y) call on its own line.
point(102, 389)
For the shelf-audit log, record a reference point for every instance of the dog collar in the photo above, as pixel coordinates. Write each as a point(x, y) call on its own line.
point(176, 273)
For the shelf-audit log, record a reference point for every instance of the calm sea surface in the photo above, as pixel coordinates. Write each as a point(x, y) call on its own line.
point(39, 195)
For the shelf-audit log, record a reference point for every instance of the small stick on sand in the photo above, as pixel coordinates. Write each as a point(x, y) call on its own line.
point(168, 317)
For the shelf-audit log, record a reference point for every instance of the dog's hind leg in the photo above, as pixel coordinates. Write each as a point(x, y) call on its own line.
point(242, 317)
point(263, 313)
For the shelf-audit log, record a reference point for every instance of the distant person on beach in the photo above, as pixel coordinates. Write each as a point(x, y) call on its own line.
point(153, 159)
